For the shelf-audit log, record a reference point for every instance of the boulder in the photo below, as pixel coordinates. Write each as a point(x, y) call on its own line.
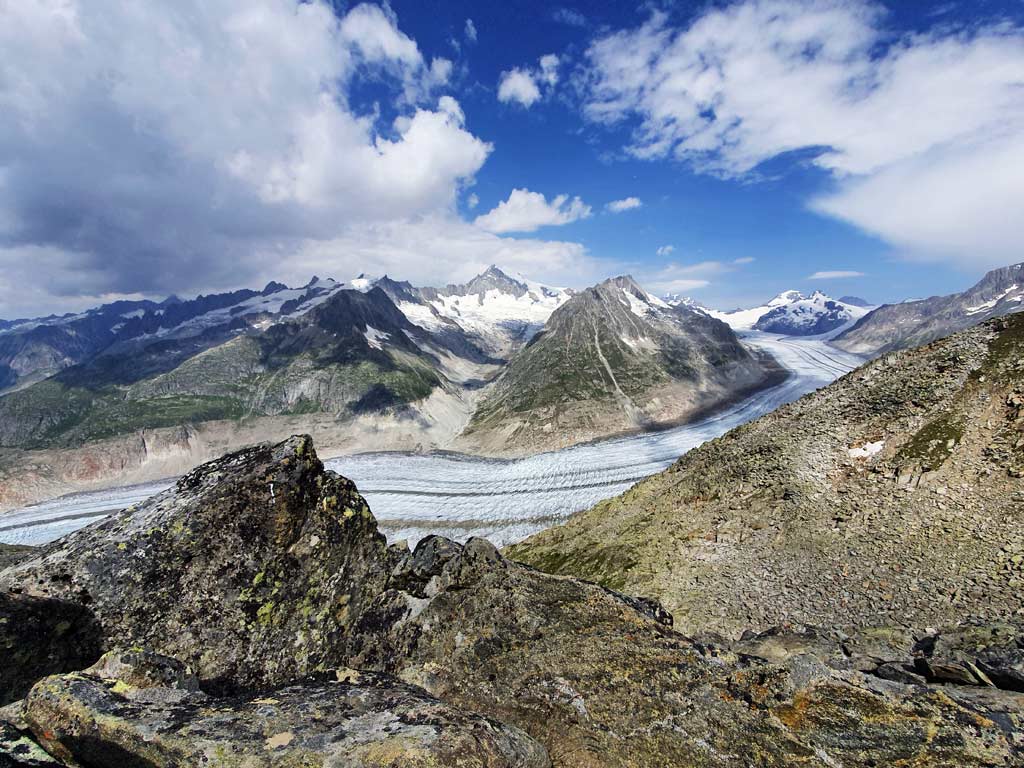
point(141, 709)
point(976, 654)
point(249, 569)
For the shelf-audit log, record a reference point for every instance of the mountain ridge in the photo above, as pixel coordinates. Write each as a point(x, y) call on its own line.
point(912, 323)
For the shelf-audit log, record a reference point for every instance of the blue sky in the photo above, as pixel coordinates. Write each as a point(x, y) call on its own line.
point(211, 145)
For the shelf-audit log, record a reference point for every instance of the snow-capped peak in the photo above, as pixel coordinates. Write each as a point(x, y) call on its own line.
point(786, 297)
point(362, 282)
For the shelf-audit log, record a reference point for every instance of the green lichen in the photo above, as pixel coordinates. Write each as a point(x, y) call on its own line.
point(934, 442)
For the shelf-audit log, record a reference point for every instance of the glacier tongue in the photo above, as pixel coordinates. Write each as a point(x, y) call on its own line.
point(462, 496)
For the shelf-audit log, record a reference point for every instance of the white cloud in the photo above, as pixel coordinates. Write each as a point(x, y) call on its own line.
point(835, 274)
point(519, 86)
point(665, 250)
point(472, 201)
point(186, 139)
point(523, 84)
point(922, 133)
point(549, 69)
point(470, 31)
point(438, 248)
point(625, 204)
point(744, 260)
point(527, 211)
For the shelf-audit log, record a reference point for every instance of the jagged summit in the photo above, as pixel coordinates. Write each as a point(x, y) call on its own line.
point(793, 313)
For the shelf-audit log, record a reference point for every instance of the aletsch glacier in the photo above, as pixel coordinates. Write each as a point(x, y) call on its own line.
point(504, 500)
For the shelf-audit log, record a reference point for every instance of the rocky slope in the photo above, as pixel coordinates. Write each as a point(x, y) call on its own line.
point(611, 359)
point(912, 323)
point(254, 615)
point(892, 496)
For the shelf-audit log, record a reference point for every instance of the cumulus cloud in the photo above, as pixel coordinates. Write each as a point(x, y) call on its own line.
point(191, 145)
point(922, 134)
point(835, 274)
point(518, 85)
point(523, 84)
point(665, 250)
point(527, 211)
point(442, 244)
point(625, 204)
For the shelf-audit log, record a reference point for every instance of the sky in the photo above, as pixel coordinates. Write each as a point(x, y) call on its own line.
point(723, 150)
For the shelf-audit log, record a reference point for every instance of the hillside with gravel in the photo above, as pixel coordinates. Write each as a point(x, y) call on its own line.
point(891, 497)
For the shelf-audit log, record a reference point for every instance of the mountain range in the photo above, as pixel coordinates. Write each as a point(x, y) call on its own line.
point(374, 363)
point(912, 323)
point(499, 365)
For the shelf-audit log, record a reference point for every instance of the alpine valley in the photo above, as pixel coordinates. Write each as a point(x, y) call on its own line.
point(136, 391)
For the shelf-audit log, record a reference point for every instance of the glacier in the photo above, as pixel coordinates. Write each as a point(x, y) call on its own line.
point(459, 496)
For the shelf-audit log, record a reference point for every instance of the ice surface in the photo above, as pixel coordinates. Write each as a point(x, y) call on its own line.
point(461, 496)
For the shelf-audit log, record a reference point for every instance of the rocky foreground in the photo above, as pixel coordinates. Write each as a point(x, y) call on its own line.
point(254, 616)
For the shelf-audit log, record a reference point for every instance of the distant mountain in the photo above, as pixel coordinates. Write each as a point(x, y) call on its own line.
point(612, 358)
point(912, 323)
point(496, 312)
point(678, 300)
point(31, 350)
point(809, 316)
point(793, 314)
point(350, 353)
point(855, 301)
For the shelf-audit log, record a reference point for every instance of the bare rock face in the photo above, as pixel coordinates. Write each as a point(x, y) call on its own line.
point(250, 569)
point(134, 710)
point(266, 576)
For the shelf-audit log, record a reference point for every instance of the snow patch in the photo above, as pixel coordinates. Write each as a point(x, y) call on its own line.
point(866, 451)
point(989, 304)
point(375, 338)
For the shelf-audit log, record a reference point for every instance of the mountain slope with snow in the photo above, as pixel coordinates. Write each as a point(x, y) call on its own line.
point(912, 323)
point(496, 312)
point(793, 314)
point(809, 316)
point(611, 359)
point(31, 350)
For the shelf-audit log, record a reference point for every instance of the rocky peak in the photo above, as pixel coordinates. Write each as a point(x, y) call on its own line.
point(494, 279)
point(786, 297)
point(273, 287)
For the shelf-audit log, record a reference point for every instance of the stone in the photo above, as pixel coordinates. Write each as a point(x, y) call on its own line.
point(220, 570)
point(91, 719)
